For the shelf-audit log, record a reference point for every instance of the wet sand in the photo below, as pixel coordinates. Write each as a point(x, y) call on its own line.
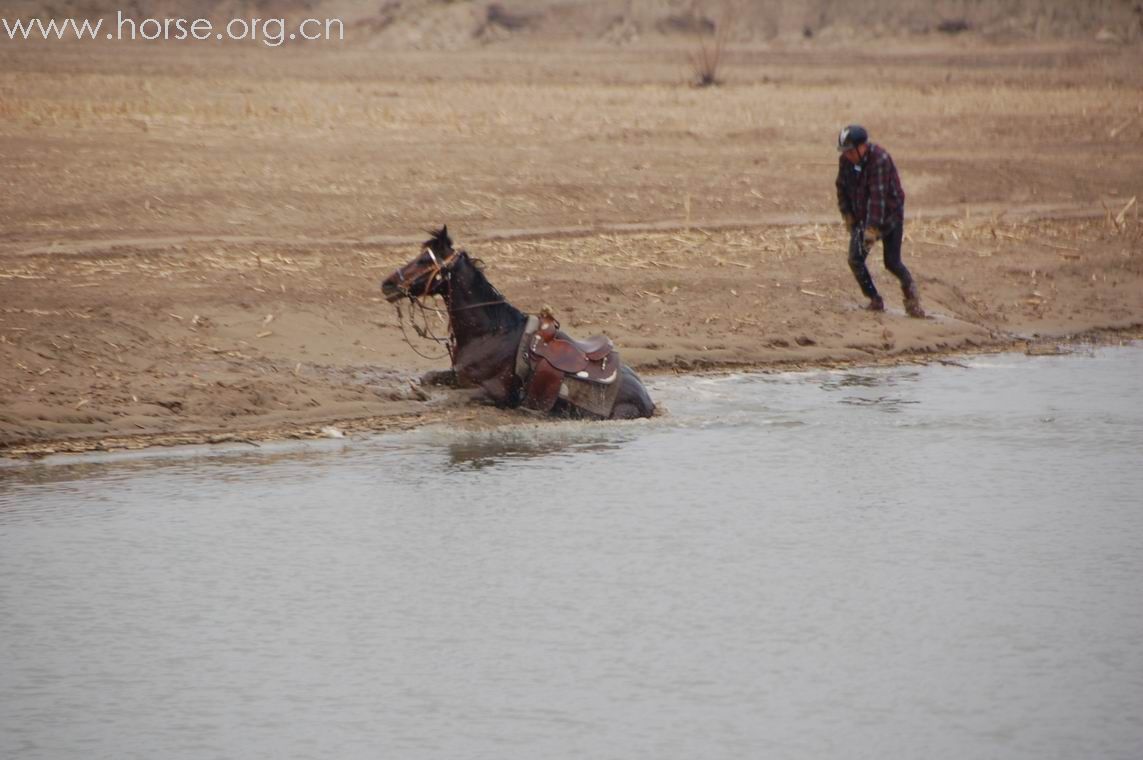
point(192, 252)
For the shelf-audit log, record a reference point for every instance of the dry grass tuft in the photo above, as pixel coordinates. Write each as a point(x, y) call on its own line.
point(706, 61)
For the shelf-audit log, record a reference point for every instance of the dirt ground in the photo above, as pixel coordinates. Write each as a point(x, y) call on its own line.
point(191, 244)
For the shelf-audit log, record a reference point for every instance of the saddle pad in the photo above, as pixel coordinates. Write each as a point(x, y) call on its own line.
point(596, 399)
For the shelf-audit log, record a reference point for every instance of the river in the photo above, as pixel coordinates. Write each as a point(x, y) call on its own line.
point(940, 561)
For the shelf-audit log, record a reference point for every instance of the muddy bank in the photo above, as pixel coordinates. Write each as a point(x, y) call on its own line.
point(198, 344)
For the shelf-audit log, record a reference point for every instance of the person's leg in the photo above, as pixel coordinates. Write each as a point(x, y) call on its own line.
point(857, 254)
point(892, 248)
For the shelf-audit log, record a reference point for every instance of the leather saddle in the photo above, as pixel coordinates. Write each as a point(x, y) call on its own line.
point(555, 358)
point(574, 357)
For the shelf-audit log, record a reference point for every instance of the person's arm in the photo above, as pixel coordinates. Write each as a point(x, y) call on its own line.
point(878, 178)
point(843, 197)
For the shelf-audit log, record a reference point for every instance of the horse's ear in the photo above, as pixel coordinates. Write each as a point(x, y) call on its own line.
point(441, 236)
point(439, 240)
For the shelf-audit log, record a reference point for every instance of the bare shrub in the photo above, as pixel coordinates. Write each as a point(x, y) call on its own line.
point(706, 61)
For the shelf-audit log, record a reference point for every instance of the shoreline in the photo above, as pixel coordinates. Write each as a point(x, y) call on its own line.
point(195, 252)
point(187, 346)
point(469, 409)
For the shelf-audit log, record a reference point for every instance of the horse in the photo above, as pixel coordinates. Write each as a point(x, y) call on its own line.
point(517, 359)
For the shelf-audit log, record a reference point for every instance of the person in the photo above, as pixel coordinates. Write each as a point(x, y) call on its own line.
point(872, 204)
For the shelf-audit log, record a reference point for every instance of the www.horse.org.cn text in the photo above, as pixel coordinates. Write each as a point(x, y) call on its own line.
point(272, 32)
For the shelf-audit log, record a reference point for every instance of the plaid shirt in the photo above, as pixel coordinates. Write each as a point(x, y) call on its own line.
point(871, 191)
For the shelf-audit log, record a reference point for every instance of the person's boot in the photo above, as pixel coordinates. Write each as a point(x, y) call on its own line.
point(876, 303)
point(913, 302)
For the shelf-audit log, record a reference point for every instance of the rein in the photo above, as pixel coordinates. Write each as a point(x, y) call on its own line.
point(424, 332)
point(443, 271)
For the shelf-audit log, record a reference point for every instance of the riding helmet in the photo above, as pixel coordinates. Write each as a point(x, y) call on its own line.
point(851, 137)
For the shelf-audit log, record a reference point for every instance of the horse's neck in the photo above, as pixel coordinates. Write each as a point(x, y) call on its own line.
point(478, 311)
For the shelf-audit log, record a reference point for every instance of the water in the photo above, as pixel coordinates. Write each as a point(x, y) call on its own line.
point(938, 562)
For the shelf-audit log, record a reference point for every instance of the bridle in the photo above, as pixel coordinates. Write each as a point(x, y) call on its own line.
point(442, 270)
point(417, 301)
point(438, 268)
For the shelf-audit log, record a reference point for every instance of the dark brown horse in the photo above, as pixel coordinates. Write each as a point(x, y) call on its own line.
point(494, 345)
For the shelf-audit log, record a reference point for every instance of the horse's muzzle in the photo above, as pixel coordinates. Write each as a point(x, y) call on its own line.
point(392, 292)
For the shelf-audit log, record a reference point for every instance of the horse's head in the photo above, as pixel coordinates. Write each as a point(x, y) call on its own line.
point(423, 275)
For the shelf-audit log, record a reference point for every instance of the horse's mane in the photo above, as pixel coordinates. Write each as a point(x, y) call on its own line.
point(441, 244)
point(500, 317)
point(477, 267)
point(439, 239)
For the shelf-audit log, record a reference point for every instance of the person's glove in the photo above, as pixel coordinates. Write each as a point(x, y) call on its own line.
point(871, 236)
point(850, 220)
